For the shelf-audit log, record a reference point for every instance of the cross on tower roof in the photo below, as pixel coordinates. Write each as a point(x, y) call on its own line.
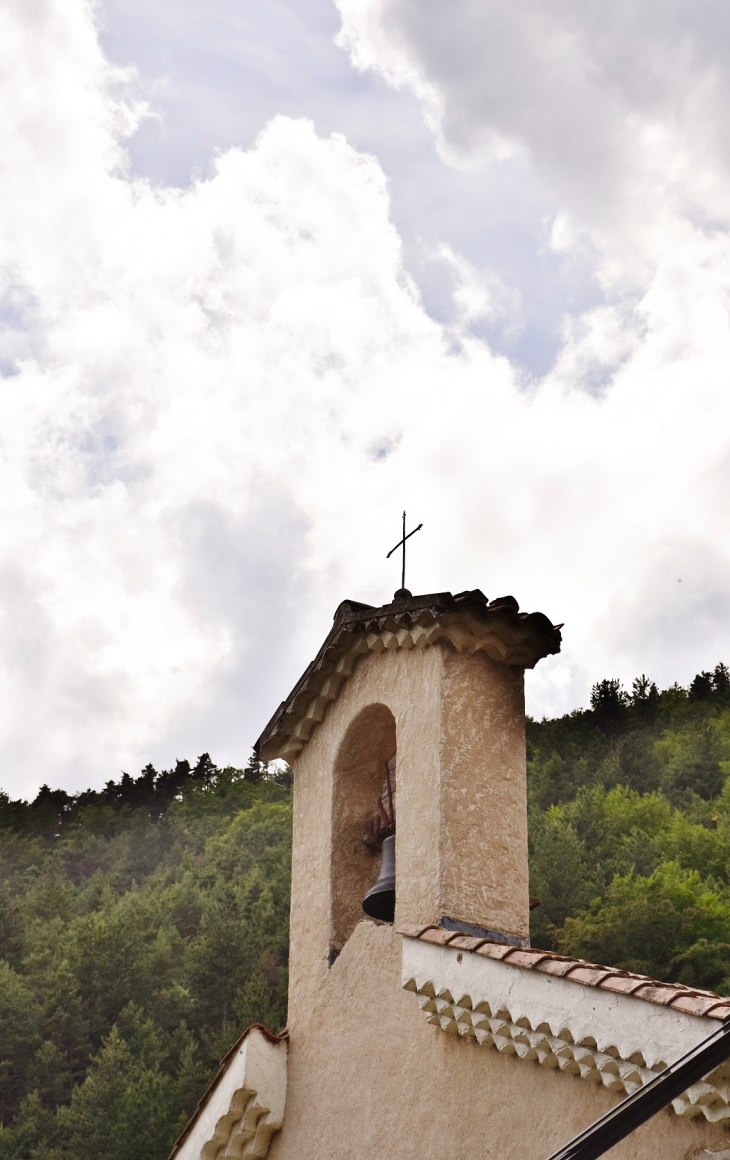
point(403, 593)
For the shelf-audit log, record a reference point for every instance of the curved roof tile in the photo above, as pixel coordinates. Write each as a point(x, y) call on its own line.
point(692, 1001)
point(467, 620)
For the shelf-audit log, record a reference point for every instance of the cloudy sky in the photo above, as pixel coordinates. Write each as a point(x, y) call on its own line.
point(274, 270)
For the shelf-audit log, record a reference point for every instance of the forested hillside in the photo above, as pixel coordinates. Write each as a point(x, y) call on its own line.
point(143, 927)
point(630, 830)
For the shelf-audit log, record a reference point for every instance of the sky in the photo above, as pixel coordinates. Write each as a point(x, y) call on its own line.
point(271, 273)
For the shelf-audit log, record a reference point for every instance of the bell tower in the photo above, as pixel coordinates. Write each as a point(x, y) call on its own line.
point(416, 707)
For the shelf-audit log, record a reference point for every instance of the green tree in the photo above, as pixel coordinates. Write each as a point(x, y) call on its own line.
point(144, 925)
point(701, 688)
point(644, 698)
point(559, 875)
point(721, 680)
point(645, 924)
point(28, 1137)
point(609, 703)
point(694, 767)
point(126, 1108)
point(19, 1038)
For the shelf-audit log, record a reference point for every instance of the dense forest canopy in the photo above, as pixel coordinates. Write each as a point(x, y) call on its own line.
point(145, 925)
point(142, 928)
point(629, 812)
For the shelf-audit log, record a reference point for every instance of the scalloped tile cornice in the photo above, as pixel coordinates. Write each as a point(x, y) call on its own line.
point(466, 621)
point(567, 1023)
point(244, 1105)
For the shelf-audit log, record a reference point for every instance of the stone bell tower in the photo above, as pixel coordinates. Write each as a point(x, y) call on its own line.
point(432, 685)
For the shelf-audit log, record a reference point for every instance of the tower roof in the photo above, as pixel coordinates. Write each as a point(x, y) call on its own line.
point(467, 620)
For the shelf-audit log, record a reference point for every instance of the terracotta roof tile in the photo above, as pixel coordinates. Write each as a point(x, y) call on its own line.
point(656, 993)
point(674, 995)
point(519, 958)
point(692, 1004)
point(441, 938)
point(590, 976)
point(559, 967)
point(523, 638)
point(622, 984)
point(467, 942)
point(492, 950)
point(413, 930)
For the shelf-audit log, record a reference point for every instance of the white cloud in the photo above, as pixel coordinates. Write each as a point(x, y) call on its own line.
point(218, 399)
point(620, 113)
point(620, 109)
point(478, 295)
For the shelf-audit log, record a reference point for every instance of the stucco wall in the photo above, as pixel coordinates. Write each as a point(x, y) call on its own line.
point(369, 1077)
point(461, 841)
point(409, 684)
point(483, 865)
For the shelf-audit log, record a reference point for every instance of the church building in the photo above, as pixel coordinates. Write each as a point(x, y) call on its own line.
point(421, 1022)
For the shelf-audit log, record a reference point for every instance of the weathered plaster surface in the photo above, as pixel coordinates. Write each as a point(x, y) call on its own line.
point(483, 836)
point(368, 1076)
point(406, 685)
point(612, 1039)
point(461, 841)
point(245, 1107)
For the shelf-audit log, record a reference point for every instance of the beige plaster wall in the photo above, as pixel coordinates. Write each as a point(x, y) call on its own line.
point(483, 854)
point(408, 684)
point(369, 1077)
point(461, 840)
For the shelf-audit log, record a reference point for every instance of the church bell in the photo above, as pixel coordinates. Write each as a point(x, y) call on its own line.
point(379, 902)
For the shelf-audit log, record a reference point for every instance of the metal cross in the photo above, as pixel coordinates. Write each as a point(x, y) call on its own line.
point(402, 544)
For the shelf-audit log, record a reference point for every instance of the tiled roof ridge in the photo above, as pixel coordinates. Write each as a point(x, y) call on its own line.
point(691, 1000)
point(468, 619)
point(358, 617)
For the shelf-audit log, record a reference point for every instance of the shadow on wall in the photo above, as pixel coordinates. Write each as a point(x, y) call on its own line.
point(368, 745)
